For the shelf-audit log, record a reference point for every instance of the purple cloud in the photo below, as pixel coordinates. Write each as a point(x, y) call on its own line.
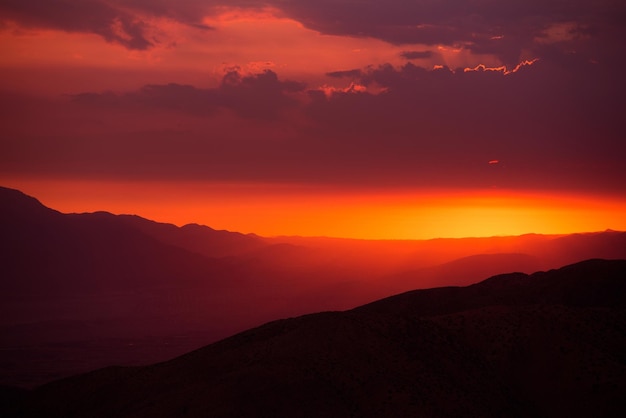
point(252, 96)
point(508, 29)
point(345, 74)
point(121, 22)
point(426, 127)
point(413, 55)
point(504, 28)
point(91, 16)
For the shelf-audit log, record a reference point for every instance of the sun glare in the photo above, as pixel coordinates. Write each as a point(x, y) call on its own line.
point(273, 210)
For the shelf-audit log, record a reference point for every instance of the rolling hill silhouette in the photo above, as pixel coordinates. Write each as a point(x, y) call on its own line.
point(83, 291)
point(515, 345)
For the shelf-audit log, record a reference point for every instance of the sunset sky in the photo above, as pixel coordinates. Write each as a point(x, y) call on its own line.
point(368, 119)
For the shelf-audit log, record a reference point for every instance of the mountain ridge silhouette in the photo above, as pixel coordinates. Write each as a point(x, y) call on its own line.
point(82, 291)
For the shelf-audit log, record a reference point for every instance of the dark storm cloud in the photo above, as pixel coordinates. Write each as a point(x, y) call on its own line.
point(260, 95)
point(90, 16)
point(413, 55)
point(556, 123)
point(426, 127)
point(252, 96)
point(505, 28)
point(345, 74)
point(440, 125)
point(175, 97)
point(116, 21)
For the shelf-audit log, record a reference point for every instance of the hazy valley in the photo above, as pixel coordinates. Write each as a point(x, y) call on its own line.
point(85, 291)
point(134, 291)
point(511, 346)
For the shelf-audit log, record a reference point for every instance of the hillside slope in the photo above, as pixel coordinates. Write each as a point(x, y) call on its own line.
point(82, 291)
point(548, 344)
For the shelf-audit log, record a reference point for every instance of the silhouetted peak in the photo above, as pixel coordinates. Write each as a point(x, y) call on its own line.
point(504, 280)
point(98, 215)
point(17, 198)
point(14, 203)
point(197, 227)
point(203, 229)
point(595, 282)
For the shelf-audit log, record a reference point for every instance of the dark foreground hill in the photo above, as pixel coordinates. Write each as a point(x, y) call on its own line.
point(79, 292)
point(542, 345)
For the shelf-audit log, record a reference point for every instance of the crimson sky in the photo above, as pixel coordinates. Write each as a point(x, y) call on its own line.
point(385, 101)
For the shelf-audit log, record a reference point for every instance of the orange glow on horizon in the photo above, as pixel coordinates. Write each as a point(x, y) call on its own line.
point(273, 210)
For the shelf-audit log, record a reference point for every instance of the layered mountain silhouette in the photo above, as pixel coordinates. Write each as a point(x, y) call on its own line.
point(515, 345)
point(82, 291)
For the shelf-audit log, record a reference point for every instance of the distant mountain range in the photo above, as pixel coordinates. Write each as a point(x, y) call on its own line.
point(121, 282)
point(515, 345)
